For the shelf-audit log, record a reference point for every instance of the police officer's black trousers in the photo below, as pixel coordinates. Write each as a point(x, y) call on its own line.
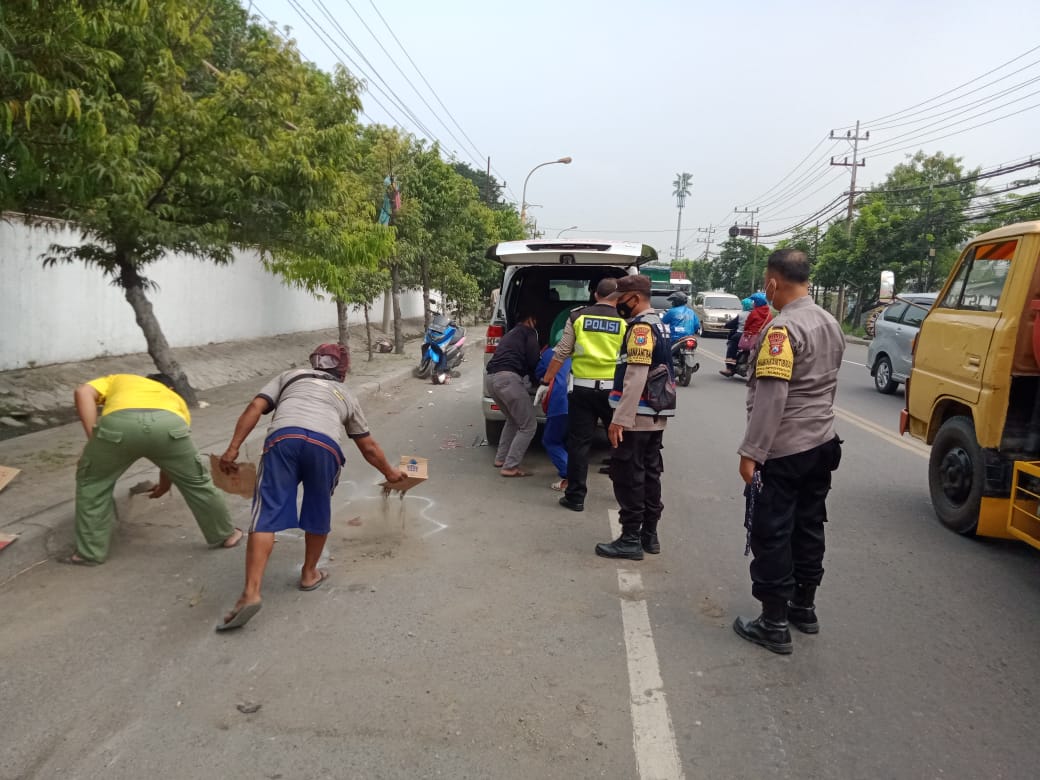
point(586, 406)
point(787, 537)
point(635, 470)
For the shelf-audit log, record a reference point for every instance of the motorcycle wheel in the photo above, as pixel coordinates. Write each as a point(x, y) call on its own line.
point(685, 375)
point(423, 369)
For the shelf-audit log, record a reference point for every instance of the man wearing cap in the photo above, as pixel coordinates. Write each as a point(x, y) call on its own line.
point(637, 429)
point(591, 339)
point(311, 409)
point(141, 417)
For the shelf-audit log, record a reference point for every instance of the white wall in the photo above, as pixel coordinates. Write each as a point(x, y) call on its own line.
point(70, 312)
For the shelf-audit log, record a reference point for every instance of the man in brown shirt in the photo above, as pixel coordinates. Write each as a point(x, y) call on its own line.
point(637, 429)
point(788, 454)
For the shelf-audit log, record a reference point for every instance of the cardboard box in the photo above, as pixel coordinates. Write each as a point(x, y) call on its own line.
point(240, 483)
point(7, 473)
point(417, 471)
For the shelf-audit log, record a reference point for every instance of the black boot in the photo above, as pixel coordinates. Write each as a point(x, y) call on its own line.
point(769, 629)
point(627, 545)
point(648, 538)
point(801, 611)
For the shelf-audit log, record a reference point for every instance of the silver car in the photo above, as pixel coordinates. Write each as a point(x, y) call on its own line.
point(890, 354)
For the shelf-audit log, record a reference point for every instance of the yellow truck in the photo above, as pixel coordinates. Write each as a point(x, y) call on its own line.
point(974, 390)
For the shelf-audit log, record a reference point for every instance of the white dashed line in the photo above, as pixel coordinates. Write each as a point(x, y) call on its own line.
point(653, 737)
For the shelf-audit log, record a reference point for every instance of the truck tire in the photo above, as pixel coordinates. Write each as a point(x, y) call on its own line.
point(493, 431)
point(956, 473)
point(883, 380)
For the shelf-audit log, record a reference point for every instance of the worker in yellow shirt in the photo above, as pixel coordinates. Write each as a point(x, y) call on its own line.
point(141, 417)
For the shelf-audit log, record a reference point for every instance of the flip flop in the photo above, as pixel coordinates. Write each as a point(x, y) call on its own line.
point(516, 473)
point(75, 560)
point(324, 576)
point(221, 546)
point(241, 617)
point(498, 465)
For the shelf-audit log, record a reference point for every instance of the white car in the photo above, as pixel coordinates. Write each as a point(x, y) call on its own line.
point(550, 278)
point(715, 309)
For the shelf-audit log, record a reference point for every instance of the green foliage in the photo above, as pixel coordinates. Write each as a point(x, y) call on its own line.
point(699, 272)
point(740, 266)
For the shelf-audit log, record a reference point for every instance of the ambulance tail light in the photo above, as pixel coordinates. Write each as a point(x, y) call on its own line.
point(494, 333)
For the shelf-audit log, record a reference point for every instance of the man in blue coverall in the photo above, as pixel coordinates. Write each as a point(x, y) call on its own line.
point(681, 320)
point(554, 432)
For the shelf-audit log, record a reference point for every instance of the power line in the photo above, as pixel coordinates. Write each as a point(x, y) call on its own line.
point(953, 89)
point(435, 95)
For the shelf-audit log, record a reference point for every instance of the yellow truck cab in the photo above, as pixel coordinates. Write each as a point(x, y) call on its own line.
point(974, 390)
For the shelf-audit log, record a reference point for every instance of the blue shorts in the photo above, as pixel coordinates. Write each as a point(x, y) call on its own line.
point(295, 456)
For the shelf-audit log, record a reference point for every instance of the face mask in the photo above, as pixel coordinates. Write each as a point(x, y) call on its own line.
point(624, 308)
point(769, 295)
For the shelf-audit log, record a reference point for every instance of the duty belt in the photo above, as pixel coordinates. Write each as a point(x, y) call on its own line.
point(595, 384)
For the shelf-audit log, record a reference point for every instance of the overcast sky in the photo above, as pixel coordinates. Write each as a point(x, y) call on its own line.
point(737, 94)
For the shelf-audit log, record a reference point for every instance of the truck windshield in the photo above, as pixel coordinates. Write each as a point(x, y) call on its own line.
point(980, 279)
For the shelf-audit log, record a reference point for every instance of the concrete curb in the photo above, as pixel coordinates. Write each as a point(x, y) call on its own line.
point(46, 532)
point(857, 340)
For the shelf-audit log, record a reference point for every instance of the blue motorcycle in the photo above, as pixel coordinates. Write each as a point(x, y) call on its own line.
point(443, 350)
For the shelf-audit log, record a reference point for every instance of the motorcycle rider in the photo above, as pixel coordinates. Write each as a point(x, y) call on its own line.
point(682, 321)
point(735, 326)
point(756, 321)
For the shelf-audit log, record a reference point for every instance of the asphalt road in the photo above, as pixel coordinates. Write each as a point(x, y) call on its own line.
point(468, 631)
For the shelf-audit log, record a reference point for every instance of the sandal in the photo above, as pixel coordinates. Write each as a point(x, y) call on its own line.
point(76, 560)
point(559, 485)
point(515, 473)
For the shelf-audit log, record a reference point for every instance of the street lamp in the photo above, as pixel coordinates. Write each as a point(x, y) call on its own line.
point(523, 196)
point(572, 227)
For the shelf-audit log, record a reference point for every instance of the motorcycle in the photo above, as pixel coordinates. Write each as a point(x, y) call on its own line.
point(740, 368)
point(442, 351)
point(684, 357)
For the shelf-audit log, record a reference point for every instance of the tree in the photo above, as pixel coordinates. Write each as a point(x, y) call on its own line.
point(157, 127)
point(488, 187)
point(740, 266)
point(699, 272)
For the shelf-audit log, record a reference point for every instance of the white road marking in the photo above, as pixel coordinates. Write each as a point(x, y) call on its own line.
point(854, 363)
point(890, 436)
point(653, 736)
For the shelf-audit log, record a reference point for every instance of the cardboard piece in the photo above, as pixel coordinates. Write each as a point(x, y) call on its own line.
point(7, 473)
point(417, 471)
point(240, 483)
point(6, 539)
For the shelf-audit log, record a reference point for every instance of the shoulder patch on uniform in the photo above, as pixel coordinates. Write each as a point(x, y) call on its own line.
point(640, 346)
point(775, 356)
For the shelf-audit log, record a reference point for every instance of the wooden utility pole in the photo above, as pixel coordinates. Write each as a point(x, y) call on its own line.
point(854, 138)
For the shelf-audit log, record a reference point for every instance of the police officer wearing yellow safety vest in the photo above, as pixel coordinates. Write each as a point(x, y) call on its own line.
point(591, 338)
point(788, 454)
point(643, 399)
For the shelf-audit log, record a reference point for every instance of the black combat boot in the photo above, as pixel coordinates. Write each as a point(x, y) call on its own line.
point(628, 545)
point(769, 629)
point(801, 611)
point(649, 540)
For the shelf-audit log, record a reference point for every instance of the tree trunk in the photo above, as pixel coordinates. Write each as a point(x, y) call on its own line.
point(424, 272)
point(368, 333)
point(342, 322)
point(158, 347)
point(388, 310)
point(395, 294)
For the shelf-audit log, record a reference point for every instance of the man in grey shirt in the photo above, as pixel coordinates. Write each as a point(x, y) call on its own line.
point(311, 409)
point(788, 454)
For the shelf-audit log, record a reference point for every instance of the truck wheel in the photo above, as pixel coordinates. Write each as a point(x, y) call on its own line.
point(493, 431)
point(955, 475)
point(883, 380)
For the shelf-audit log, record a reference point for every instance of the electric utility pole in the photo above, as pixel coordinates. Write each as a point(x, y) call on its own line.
point(753, 242)
point(681, 188)
point(710, 230)
point(853, 137)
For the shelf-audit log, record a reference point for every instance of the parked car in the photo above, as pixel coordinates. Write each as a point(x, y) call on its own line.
point(890, 354)
point(715, 308)
point(550, 277)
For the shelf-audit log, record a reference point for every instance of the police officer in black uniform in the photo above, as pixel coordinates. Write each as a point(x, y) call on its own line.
point(788, 454)
point(637, 429)
point(591, 339)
